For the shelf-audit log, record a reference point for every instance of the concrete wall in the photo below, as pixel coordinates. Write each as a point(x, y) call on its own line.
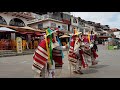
point(117, 34)
point(74, 24)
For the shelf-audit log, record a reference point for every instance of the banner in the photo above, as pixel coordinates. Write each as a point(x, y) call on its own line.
point(19, 44)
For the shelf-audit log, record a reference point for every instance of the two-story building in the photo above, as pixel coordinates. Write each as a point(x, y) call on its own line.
point(52, 20)
point(74, 23)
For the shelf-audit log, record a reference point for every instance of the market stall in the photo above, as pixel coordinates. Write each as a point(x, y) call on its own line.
point(5, 38)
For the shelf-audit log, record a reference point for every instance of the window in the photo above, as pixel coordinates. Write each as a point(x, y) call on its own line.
point(17, 22)
point(40, 26)
point(61, 15)
point(64, 27)
point(74, 20)
point(53, 25)
point(2, 21)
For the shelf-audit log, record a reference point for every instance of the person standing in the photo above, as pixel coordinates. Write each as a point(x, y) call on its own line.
point(47, 56)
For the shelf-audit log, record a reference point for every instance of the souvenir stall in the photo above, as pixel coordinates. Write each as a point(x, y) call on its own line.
point(36, 39)
point(31, 36)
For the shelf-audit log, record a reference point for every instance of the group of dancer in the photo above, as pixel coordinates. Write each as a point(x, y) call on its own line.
point(82, 51)
point(49, 54)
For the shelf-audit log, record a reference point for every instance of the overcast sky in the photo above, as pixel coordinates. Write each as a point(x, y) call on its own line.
point(105, 18)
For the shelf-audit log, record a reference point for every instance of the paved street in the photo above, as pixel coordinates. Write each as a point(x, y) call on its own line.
point(20, 66)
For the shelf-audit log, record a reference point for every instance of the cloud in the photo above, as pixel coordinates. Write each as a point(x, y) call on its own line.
point(105, 18)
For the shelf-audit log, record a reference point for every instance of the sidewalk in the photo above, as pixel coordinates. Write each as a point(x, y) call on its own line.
point(8, 53)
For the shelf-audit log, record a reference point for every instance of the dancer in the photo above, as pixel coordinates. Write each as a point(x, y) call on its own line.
point(48, 56)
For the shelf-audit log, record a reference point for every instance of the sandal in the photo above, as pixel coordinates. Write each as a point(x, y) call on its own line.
point(78, 72)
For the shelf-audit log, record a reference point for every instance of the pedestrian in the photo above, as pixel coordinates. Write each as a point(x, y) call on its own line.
point(48, 56)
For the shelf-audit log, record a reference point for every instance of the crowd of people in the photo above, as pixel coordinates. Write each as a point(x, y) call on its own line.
point(49, 53)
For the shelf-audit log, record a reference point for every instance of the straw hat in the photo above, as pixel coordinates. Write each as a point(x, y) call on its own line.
point(49, 32)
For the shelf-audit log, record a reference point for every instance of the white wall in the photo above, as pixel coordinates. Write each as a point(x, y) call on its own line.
point(71, 28)
point(74, 24)
point(59, 24)
point(90, 27)
point(34, 25)
point(8, 17)
point(46, 24)
point(117, 34)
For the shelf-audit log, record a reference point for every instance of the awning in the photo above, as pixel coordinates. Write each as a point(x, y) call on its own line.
point(26, 32)
point(22, 29)
point(11, 27)
point(26, 28)
point(39, 30)
point(5, 29)
point(38, 34)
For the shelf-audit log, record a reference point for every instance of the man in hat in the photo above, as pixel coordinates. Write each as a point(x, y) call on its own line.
point(75, 55)
point(90, 50)
point(47, 56)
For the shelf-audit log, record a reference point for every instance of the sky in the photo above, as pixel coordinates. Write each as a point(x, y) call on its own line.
point(105, 18)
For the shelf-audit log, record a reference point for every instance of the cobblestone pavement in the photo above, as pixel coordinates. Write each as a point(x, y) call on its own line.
point(20, 66)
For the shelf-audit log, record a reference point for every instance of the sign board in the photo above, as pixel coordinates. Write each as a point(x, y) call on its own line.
point(19, 44)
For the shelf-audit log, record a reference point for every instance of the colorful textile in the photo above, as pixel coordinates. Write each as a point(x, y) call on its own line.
point(40, 57)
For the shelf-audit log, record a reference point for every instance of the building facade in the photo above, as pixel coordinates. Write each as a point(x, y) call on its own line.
point(74, 24)
point(20, 19)
point(43, 24)
point(53, 20)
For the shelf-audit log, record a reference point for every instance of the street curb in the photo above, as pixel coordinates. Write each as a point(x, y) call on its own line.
point(16, 54)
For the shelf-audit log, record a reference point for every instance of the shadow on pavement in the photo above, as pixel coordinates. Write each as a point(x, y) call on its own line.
point(100, 66)
point(89, 71)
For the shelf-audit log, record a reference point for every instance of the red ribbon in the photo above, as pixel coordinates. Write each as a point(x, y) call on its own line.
point(83, 62)
point(94, 54)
